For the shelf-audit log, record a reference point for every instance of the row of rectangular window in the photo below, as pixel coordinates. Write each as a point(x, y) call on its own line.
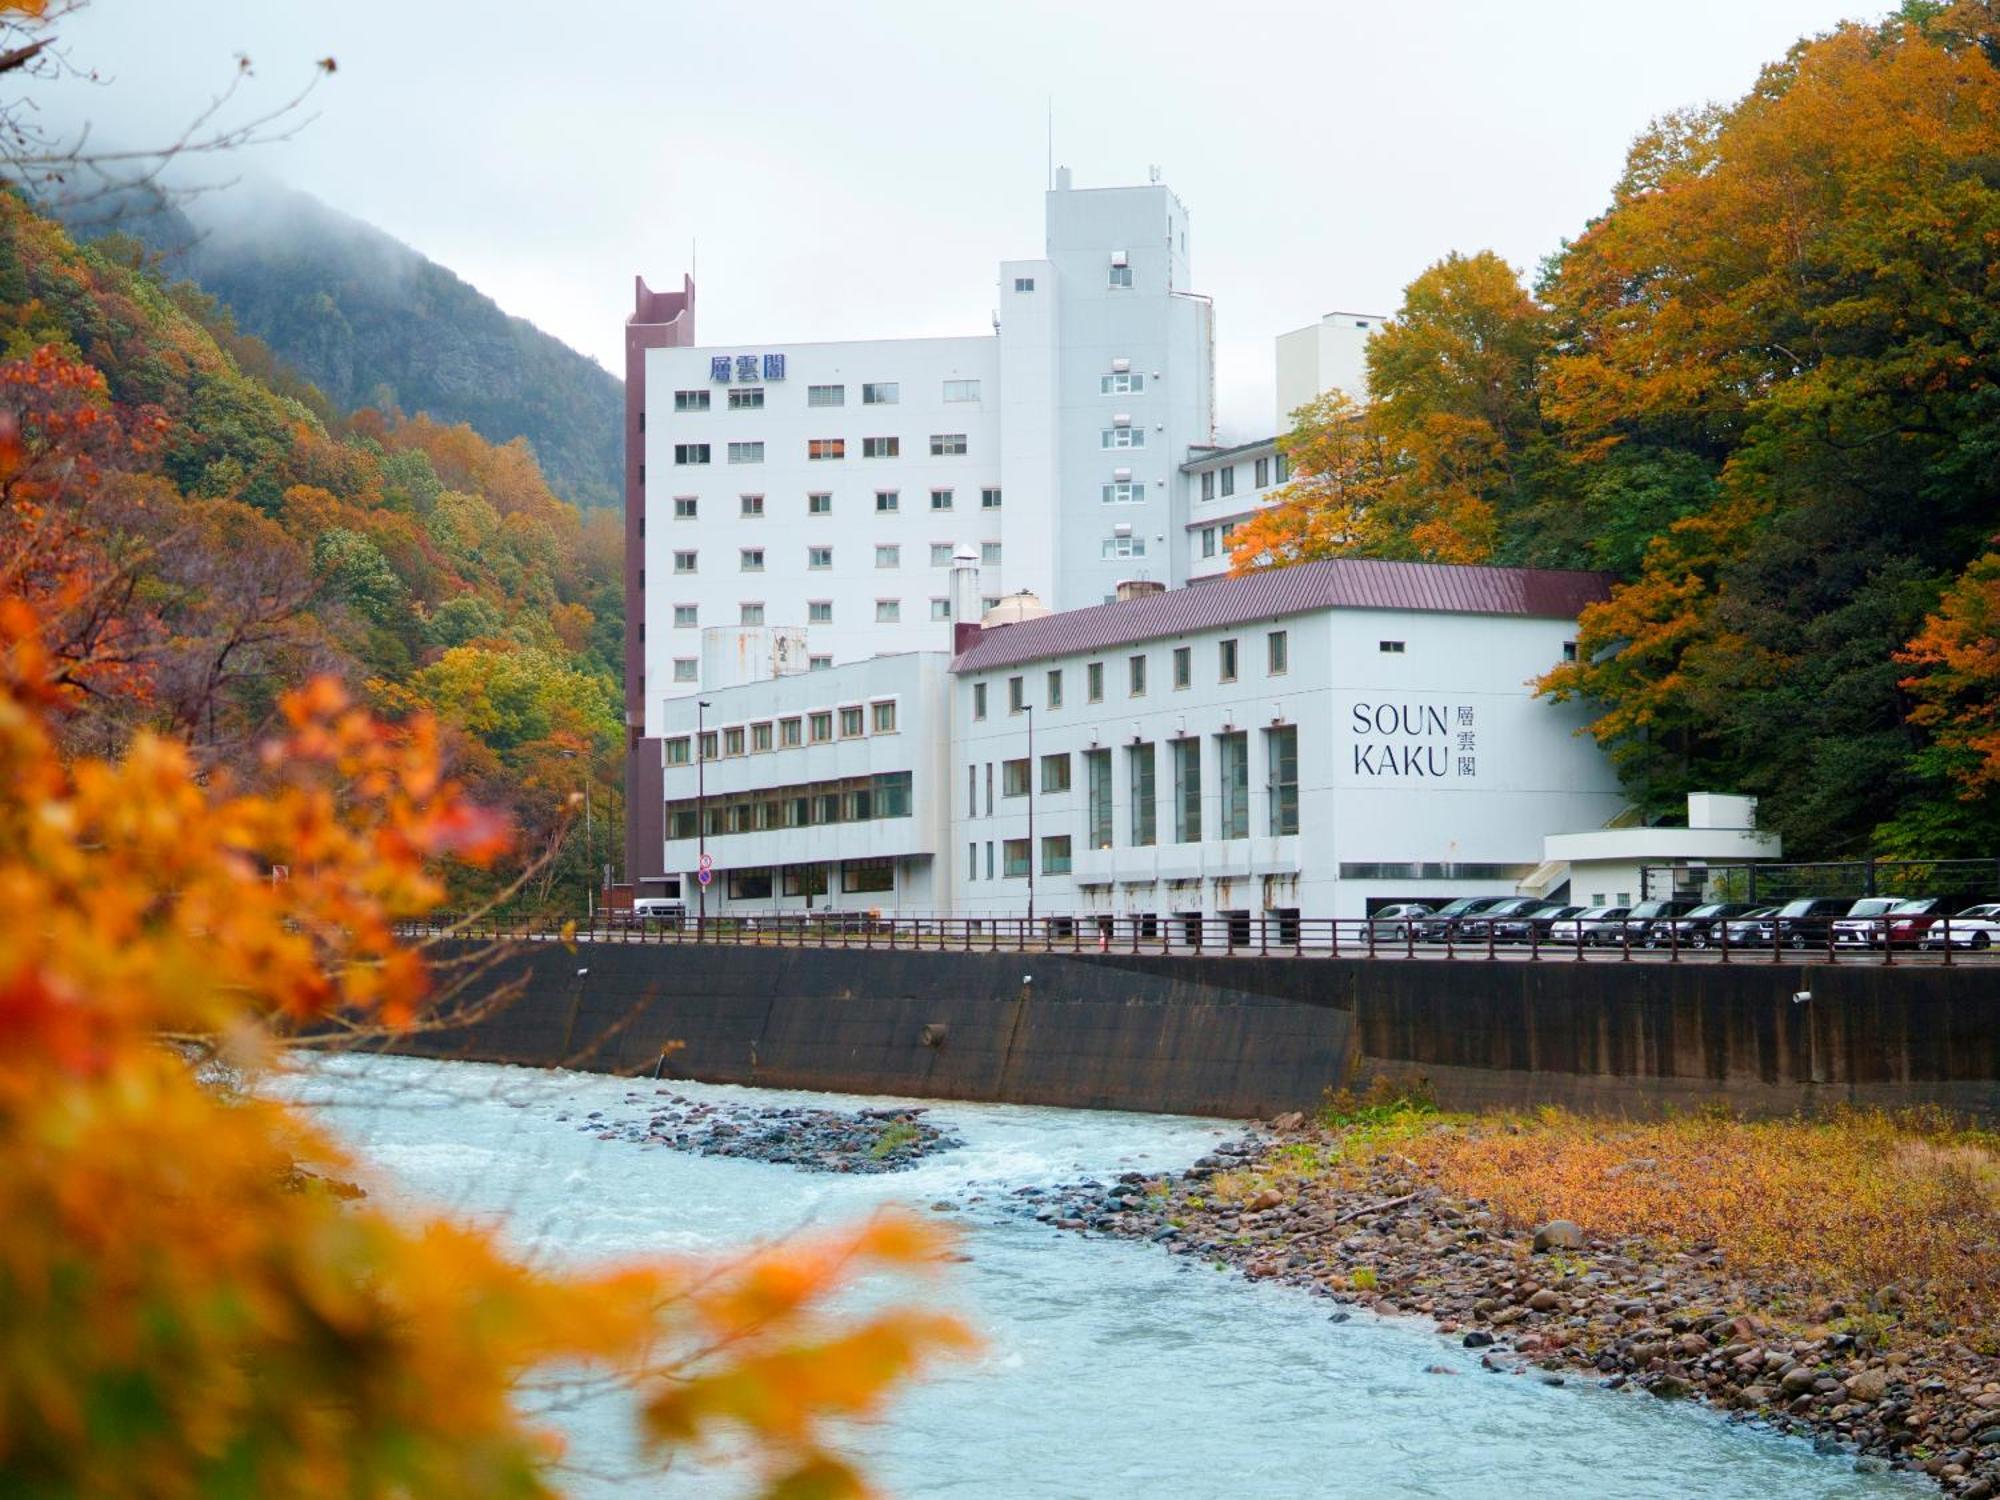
point(820, 612)
point(1277, 661)
point(943, 445)
point(817, 727)
point(1222, 482)
point(874, 393)
point(819, 559)
point(1281, 791)
point(856, 876)
point(853, 799)
point(820, 503)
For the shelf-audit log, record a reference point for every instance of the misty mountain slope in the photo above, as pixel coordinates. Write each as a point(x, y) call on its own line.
point(372, 322)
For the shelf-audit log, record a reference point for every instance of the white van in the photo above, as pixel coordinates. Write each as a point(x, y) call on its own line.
point(655, 911)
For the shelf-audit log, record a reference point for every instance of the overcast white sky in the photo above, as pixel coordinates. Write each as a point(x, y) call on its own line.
point(858, 169)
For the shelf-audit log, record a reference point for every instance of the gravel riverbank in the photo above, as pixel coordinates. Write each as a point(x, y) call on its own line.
point(813, 1140)
point(1554, 1303)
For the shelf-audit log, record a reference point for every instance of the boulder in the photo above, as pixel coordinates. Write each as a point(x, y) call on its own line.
point(1868, 1385)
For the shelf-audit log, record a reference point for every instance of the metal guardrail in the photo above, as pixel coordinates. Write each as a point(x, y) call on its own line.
point(1857, 940)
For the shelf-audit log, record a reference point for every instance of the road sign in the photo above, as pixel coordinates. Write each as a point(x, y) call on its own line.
point(707, 871)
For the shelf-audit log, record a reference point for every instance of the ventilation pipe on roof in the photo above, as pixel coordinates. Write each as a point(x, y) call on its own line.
point(964, 598)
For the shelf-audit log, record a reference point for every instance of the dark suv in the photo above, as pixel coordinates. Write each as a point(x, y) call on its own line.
point(1808, 921)
point(1533, 924)
point(1445, 922)
point(1693, 929)
point(1636, 923)
point(1476, 929)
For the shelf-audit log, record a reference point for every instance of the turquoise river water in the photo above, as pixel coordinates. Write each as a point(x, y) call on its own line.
point(1109, 1370)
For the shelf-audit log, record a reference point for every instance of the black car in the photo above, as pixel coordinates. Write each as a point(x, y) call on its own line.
point(1636, 923)
point(1476, 929)
point(1803, 923)
point(1444, 924)
point(1695, 928)
point(1533, 924)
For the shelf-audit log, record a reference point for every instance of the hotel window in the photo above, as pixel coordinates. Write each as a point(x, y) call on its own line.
point(1055, 854)
point(886, 502)
point(686, 507)
point(1392, 648)
point(752, 559)
point(884, 715)
point(1208, 541)
point(760, 736)
point(1055, 772)
point(1052, 694)
point(979, 700)
point(858, 876)
point(690, 400)
point(1229, 479)
point(1121, 276)
point(746, 398)
point(880, 393)
point(1277, 653)
point(819, 505)
point(819, 664)
point(961, 390)
point(751, 613)
point(677, 751)
point(788, 733)
point(940, 499)
point(1097, 798)
point(881, 447)
point(989, 554)
point(1135, 676)
point(1281, 468)
point(753, 505)
point(989, 859)
point(1124, 437)
point(888, 555)
point(989, 499)
point(819, 559)
point(1139, 770)
point(972, 791)
point(1014, 778)
point(826, 448)
point(1263, 472)
point(732, 742)
point(684, 562)
point(1024, 283)
point(1233, 759)
point(1014, 858)
point(1093, 682)
point(750, 885)
point(1017, 696)
point(888, 611)
point(1120, 384)
point(1125, 492)
point(1225, 661)
point(826, 395)
point(1183, 666)
point(972, 860)
point(684, 669)
point(1281, 787)
point(687, 616)
point(1124, 546)
point(707, 750)
point(940, 609)
point(940, 554)
point(946, 444)
point(1187, 791)
point(690, 453)
point(852, 723)
point(989, 789)
point(1569, 650)
point(1208, 484)
point(819, 612)
point(822, 726)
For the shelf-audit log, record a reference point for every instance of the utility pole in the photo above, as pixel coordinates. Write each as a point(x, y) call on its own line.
point(700, 817)
point(1029, 710)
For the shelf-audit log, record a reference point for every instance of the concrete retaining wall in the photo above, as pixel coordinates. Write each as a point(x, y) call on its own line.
point(1250, 1036)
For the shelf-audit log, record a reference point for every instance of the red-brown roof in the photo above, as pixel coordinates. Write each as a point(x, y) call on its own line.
point(1339, 583)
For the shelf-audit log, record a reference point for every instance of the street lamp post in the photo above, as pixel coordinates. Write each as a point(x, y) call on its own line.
point(1029, 710)
point(700, 818)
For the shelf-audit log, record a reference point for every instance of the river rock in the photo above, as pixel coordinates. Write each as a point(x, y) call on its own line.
point(1868, 1385)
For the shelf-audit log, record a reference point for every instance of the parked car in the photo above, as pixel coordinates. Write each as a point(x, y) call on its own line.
point(1444, 922)
point(1608, 930)
point(1533, 924)
point(1747, 931)
point(649, 911)
point(1638, 921)
point(1696, 928)
point(1806, 922)
point(1476, 929)
point(1397, 922)
point(1571, 929)
point(1871, 927)
point(1975, 927)
point(1907, 929)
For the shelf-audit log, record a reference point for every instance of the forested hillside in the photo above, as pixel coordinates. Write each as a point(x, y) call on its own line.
point(373, 323)
point(200, 539)
point(1763, 389)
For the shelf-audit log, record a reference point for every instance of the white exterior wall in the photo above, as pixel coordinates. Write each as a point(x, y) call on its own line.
point(1324, 356)
point(786, 476)
point(1211, 513)
point(916, 683)
point(1367, 796)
